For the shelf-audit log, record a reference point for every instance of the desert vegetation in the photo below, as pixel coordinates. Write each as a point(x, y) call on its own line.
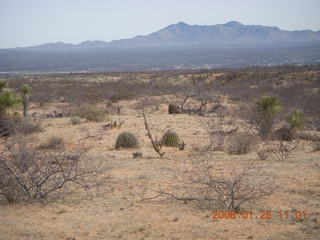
point(151, 155)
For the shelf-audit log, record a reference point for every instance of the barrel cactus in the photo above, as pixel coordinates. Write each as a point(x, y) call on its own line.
point(174, 109)
point(170, 139)
point(126, 140)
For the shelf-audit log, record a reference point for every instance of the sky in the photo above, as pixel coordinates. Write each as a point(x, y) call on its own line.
point(32, 22)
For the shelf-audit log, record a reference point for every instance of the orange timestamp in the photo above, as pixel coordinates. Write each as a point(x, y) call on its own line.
point(261, 214)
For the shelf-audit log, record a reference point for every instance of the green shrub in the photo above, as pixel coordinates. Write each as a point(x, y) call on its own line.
point(296, 119)
point(90, 113)
point(170, 139)
point(267, 108)
point(126, 140)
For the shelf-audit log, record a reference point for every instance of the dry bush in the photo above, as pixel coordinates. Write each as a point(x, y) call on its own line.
point(231, 189)
point(316, 146)
point(263, 154)
point(25, 126)
point(75, 120)
point(203, 182)
point(281, 150)
point(28, 126)
point(53, 143)
point(219, 131)
point(90, 133)
point(122, 94)
point(27, 174)
point(242, 143)
point(312, 221)
point(7, 127)
point(90, 112)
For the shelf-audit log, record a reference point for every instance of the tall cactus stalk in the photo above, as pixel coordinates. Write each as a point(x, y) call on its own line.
point(25, 91)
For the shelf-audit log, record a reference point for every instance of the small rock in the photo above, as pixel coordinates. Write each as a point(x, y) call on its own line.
point(175, 219)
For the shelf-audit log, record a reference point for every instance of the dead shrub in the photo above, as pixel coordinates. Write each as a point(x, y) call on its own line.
point(75, 120)
point(53, 143)
point(312, 221)
point(284, 134)
point(219, 131)
point(242, 143)
point(281, 150)
point(316, 146)
point(28, 126)
point(7, 127)
point(202, 182)
point(27, 174)
point(122, 94)
point(90, 112)
point(263, 154)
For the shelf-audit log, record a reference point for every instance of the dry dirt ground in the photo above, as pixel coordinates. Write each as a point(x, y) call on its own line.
point(115, 210)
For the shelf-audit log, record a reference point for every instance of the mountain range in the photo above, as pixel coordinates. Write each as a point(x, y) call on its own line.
point(177, 46)
point(182, 34)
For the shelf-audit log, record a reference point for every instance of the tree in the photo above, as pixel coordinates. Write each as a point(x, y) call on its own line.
point(25, 91)
point(267, 108)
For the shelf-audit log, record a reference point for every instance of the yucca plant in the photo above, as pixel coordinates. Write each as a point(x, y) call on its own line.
point(8, 99)
point(3, 84)
point(126, 140)
point(25, 91)
point(170, 139)
point(267, 108)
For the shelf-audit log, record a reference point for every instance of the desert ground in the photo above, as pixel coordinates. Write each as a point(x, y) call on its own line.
point(127, 205)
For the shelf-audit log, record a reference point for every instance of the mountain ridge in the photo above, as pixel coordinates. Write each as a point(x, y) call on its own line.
point(183, 34)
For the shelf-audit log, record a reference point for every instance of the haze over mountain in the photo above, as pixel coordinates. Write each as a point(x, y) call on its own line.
point(173, 47)
point(182, 34)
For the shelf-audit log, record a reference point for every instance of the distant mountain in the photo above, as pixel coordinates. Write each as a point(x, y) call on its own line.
point(182, 34)
point(177, 46)
point(230, 33)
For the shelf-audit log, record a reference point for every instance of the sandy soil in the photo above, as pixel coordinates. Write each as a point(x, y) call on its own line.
point(115, 210)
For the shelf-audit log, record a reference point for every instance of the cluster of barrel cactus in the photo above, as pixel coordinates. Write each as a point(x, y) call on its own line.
point(169, 139)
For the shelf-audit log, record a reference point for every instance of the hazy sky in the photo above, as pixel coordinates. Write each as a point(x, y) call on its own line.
point(32, 22)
